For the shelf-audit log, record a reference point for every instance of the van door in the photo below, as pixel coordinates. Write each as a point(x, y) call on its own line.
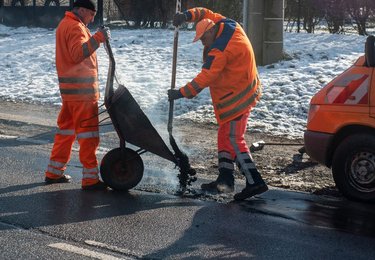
point(372, 94)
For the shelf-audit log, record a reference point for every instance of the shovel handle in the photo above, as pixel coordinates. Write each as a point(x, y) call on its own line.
point(174, 66)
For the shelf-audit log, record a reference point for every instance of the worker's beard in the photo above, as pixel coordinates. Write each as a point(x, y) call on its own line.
point(205, 53)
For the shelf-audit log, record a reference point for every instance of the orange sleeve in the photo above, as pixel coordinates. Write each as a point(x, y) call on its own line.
point(80, 47)
point(211, 69)
point(198, 13)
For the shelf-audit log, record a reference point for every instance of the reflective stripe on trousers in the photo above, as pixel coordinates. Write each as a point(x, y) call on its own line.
point(55, 171)
point(225, 160)
point(90, 173)
point(89, 134)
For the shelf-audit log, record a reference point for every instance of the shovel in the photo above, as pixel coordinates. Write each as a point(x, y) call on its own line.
point(186, 172)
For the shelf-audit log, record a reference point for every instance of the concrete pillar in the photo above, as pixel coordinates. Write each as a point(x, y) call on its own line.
point(263, 23)
point(98, 20)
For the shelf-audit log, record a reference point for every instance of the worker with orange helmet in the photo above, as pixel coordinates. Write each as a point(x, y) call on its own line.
point(77, 70)
point(230, 72)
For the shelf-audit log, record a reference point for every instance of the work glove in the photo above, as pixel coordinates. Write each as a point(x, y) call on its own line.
point(179, 18)
point(174, 94)
point(104, 32)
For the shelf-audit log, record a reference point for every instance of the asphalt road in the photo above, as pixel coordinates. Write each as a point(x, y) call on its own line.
point(62, 222)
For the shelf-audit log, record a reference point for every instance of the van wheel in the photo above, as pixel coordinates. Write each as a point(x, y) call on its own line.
point(353, 167)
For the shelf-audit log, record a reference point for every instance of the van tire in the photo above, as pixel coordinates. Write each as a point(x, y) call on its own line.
point(353, 167)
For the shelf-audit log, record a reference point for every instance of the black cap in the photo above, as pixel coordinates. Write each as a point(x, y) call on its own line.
point(88, 4)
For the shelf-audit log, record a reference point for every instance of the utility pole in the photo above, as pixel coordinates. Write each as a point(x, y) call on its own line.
point(263, 22)
point(99, 13)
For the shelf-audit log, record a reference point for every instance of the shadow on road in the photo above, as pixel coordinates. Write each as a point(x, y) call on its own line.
point(38, 206)
point(21, 187)
point(298, 164)
point(43, 138)
point(224, 231)
point(190, 229)
point(325, 212)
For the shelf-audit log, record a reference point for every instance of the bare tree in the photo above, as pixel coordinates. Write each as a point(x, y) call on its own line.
point(231, 9)
point(335, 15)
point(360, 11)
point(292, 14)
point(312, 14)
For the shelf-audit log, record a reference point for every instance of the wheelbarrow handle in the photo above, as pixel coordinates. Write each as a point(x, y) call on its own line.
point(111, 73)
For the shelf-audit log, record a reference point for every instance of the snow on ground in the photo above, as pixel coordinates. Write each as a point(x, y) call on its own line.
point(144, 65)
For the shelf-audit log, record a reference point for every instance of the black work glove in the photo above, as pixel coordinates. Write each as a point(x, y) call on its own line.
point(174, 94)
point(106, 33)
point(179, 18)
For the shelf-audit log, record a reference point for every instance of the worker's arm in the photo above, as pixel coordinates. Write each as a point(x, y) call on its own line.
point(195, 15)
point(80, 48)
point(211, 69)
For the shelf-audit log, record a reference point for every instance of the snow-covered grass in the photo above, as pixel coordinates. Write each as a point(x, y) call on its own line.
point(144, 61)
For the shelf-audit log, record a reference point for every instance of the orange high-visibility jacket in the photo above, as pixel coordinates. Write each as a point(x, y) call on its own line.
point(76, 62)
point(229, 69)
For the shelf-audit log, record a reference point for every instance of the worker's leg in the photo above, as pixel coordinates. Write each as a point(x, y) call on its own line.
point(254, 182)
point(225, 179)
point(87, 129)
point(60, 154)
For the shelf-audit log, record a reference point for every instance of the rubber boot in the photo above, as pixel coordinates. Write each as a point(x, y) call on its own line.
point(63, 179)
point(254, 183)
point(223, 184)
point(97, 186)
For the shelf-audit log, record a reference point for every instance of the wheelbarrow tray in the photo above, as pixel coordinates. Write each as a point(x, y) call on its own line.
point(133, 126)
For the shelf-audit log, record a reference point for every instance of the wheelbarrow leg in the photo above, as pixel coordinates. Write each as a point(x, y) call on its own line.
point(123, 154)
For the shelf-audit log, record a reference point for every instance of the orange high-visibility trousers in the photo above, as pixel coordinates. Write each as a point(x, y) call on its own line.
point(77, 119)
point(231, 141)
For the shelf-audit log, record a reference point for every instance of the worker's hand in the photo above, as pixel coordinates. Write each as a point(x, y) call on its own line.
point(179, 19)
point(105, 32)
point(174, 94)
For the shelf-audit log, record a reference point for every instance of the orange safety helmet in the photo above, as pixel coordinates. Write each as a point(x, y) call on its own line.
point(202, 26)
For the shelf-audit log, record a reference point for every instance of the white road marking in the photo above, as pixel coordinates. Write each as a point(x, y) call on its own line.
point(8, 137)
point(113, 248)
point(82, 251)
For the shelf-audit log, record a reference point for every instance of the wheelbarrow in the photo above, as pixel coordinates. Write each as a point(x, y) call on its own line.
point(122, 168)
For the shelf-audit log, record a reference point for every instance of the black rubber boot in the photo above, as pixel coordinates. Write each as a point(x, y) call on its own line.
point(254, 183)
point(63, 179)
point(251, 190)
point(257, 187)
point(210, 187)
point(223, 184)
point(97, 186)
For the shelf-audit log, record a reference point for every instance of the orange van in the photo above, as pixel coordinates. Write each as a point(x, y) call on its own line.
point(341, 127)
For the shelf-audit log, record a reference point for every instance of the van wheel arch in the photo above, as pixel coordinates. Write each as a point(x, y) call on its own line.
point(344, 133)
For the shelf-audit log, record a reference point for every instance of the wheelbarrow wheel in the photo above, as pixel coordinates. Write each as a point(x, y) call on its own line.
point(122, 171)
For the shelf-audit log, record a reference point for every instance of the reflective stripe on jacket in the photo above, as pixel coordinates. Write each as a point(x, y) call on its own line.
point(76, 61)
point(229, 69)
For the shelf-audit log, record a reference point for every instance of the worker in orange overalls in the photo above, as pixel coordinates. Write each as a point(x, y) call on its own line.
point(230, 72)
point(77, 70)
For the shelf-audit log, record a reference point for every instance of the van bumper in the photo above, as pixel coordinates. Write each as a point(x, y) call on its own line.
point(318, 145)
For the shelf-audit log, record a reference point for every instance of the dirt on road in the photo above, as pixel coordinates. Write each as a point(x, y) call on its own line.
point(280, 162)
